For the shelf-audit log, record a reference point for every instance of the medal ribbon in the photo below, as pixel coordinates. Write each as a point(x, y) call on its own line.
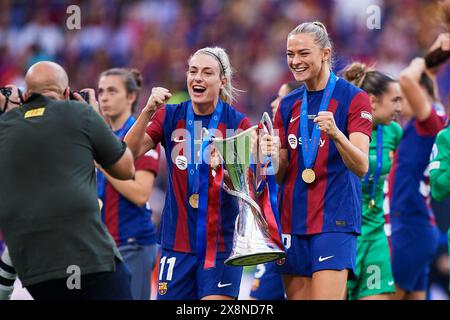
point(199, 174)
point(378, 165)
point(310, 148)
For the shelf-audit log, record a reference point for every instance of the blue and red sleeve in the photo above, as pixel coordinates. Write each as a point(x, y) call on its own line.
point(155, 126)
point(244, 124)
point(431, 126)
point(149, 161)
point(360, 115)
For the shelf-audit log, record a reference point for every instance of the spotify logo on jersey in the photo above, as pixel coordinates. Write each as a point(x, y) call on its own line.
point(181, 162)
point(292, 139)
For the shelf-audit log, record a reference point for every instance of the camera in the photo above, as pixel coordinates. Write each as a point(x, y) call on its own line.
point(6, 91)
point(83, 94)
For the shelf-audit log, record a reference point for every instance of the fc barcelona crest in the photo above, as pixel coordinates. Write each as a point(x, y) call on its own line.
point(162, 288)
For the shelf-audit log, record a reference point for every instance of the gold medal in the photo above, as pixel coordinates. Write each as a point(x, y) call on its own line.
point(308, 175)
point(371, 203)
point(193, 200)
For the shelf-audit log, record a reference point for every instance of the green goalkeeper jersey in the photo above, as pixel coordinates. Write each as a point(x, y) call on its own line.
point(440, 166)
point(372, 207)
point(440, 170)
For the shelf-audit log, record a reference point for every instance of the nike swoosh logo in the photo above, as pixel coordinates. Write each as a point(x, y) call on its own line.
point(390, 283)
point(220, 285)
point(310, 117)
point(293, 119)
point(324, 258)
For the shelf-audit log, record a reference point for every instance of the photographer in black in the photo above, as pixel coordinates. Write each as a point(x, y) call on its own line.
point(49, 213)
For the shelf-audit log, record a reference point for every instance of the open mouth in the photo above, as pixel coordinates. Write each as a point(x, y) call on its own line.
point(299, 69)
point(198, 89)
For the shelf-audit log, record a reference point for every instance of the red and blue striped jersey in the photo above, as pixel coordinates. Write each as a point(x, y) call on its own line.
point(409, 182)
point(179, 219)
point(332, 203)
point(127, 222)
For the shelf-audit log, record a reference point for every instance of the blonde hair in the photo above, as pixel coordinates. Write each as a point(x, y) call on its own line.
point(320, 33)
point(228, 92)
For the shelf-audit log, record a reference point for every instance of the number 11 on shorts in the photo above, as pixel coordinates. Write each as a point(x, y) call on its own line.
point(171, 263)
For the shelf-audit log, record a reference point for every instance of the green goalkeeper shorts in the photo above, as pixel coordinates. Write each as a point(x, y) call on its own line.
point(373, 269)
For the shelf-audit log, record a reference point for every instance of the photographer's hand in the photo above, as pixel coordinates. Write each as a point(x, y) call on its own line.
point(92, 99)
point(13, 101)
point(2, 103)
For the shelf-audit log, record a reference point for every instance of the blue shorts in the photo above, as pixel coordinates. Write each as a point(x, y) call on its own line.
point(307, 254)
point(267, 283)
point(413, 250)
point(181, 277)
point(140, 260)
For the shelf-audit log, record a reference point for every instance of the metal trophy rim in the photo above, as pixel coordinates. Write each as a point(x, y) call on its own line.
point(248, 259)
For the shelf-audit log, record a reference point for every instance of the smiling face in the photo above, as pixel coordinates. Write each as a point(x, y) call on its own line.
point(204, 79)
point(304, 57)
point(388, 105)
point(112, 96)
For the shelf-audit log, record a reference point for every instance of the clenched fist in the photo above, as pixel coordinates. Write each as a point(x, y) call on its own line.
point(326, 123)
point(157, 99)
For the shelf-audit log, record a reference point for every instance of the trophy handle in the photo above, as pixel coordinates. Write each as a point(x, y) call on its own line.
point(205, 133)
point(267, 123)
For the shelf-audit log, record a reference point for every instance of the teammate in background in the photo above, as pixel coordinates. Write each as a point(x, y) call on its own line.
point(373, 277)
point(414, 233)
point(440, 170)
point(198, 218)
point(267, 283)
point(325, 128)
point(125, 211)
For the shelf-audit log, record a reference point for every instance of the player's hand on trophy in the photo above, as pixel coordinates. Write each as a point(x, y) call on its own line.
point(215, 159)
point(269, 145)
point(326, 123)
point(157, 99)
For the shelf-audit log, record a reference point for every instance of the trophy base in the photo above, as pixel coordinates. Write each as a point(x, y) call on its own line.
point(242, 260)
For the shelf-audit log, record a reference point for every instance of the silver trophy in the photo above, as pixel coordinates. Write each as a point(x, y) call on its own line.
point(252, 243)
